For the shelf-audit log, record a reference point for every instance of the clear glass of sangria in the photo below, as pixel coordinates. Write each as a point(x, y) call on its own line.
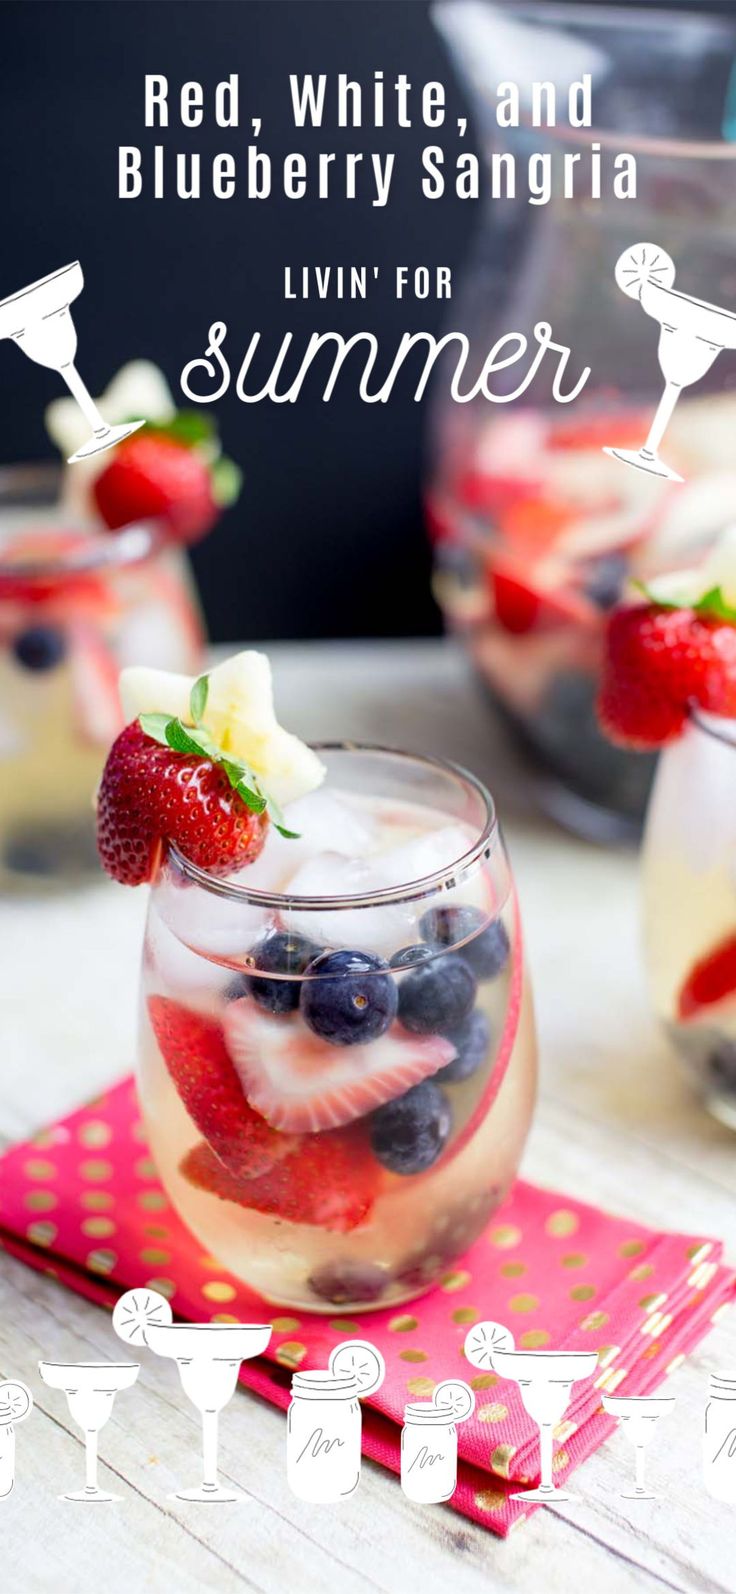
point(689, 868)
point(77, 603)
point(337, 1051)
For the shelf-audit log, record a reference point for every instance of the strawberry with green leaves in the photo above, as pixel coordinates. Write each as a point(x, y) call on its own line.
point(664, 656)
point(165, 781)
point(173, 474)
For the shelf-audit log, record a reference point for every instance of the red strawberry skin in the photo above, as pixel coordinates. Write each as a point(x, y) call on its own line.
point(149, 795)
point(657, 664)
point(193, 1049)
point(155, 478)
point(710, 981)
point(329, 1180)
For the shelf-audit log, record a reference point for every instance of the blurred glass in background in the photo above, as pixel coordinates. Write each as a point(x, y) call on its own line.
point(536, 531)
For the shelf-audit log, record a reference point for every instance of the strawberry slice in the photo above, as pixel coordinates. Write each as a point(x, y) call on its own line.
point(194, 1052)
point(711, 981)
point(302, 1083)
point(330, 1180)
point(523, 602)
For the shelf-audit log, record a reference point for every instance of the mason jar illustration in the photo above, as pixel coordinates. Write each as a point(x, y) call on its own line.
point(16, 1403)
point(719, 1439)
point(429, 1442)
point(324, 1423)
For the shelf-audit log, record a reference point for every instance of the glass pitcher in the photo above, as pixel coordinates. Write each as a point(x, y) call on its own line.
point(536, 529)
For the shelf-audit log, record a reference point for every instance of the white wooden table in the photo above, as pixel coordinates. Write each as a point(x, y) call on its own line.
point(615, 1124)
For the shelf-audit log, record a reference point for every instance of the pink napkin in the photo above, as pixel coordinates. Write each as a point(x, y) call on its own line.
point(82, 1202)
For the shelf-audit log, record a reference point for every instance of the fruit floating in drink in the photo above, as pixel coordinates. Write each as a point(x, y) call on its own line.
point(669, 681)
point(536, 533)
point(92, 577)
point(337, 1058)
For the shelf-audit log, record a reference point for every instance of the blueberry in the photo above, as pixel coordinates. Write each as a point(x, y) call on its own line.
point(41, 647)
point(408, 1134)
point(722, 1064)
point(410, 955)
point(353, 1001)
point(488, 951)
point(472, 1041)
point(605, 579)
point(452, 559)
point(450, 1237)
point(343, 1283)
point(280, 952)
point(437, 995)
point(236, 988)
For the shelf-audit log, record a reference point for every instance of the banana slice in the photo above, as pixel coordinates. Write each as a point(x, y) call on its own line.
point(719, 569)
point(240, 701)
point(239, 716)
point(145, 691)
point(687, 587)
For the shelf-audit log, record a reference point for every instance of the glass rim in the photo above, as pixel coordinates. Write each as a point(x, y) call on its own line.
point(445, 878)
point(96, 550)
point(633, 17)
point(710, 724)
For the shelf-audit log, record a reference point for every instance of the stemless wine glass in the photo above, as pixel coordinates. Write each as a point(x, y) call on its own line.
point(76, 605)
point(374, 1208)
point(689, 882)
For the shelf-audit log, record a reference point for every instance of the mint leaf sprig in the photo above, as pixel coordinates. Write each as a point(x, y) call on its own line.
point(712, 605)
point(195, 739)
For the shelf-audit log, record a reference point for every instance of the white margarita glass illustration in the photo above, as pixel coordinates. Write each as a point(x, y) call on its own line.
point(39, 320)
point(545, 1379)
point(90, 1389)
point(692, 333)
point(638, 1415)
point(208, 1356)
point(16, 1403)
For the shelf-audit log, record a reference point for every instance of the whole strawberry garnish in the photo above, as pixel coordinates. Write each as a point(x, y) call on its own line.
point(330, 1180)
point(658, 663)
point(151, 794)
point(154, 477)
point(195, 1055)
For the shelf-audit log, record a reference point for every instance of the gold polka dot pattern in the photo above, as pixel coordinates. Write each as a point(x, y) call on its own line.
point(85, 1196)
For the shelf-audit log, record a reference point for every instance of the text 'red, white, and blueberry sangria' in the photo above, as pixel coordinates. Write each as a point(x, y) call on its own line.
point(669, 681)
point(92, 577)
point(337, 1064)
point(536, 533)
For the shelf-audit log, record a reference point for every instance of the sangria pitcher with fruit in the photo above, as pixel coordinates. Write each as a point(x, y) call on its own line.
point(337, 1053)
point(536, 529)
